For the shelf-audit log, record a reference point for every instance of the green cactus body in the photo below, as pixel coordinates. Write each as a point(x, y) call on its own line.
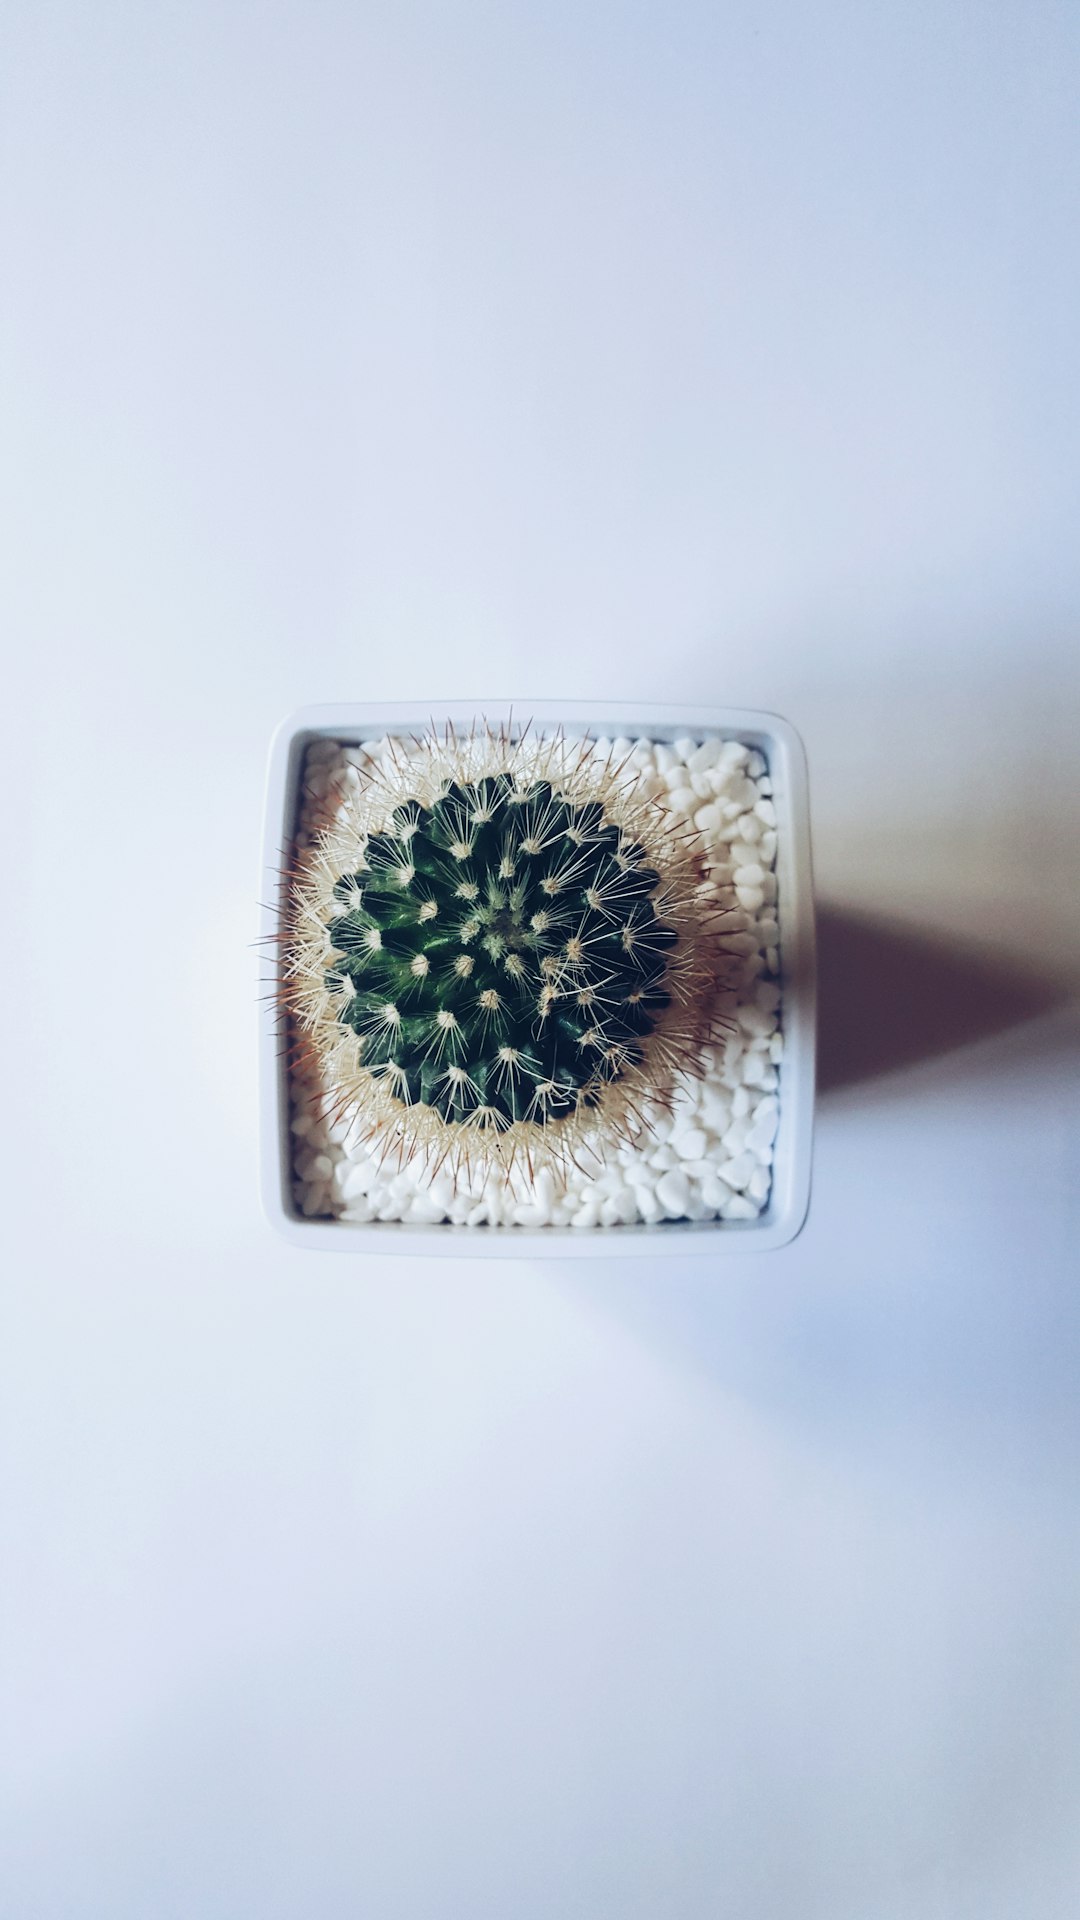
point(498, 953)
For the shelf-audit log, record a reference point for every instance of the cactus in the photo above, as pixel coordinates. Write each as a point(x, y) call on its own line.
point(497, 950)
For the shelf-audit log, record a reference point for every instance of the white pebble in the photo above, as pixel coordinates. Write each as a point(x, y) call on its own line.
point(424, 1207)
point(355, 1178)
point(624, 1204)
point(761, 1135)
point(716, 1109)
point(739, 1208)
point(742, 793)
point(647, 1204)
point(704, 756)
point(673, 1193)
point(758, 1072)
point(690, 1145)
point(531, 1216)
point(738, 1170)
point(750, 898)
point(753, 1020)
point(359, 1210)
point(733, 754)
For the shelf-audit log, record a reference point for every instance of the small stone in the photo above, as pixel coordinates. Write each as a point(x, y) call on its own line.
point(673, 1193)
point(624, 1204)
point(753, 1020)
point(761, 1135)
point(737, 1171)
point(647, 1204)
point(733, 754)
point(526, 1215)
point(358, 1211)
point(751, 898)
point(738, 1208)
point(759, 1072)
point(426, 1208)
point(355, 1178)
point(690, 1145)
point(704, 756)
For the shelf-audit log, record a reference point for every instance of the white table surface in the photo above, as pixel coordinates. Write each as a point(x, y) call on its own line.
point(689, 353)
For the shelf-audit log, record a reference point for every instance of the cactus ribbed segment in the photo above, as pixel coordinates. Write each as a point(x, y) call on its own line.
point(499, 952)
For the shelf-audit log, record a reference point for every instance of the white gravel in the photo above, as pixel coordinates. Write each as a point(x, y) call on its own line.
point(712, 1158)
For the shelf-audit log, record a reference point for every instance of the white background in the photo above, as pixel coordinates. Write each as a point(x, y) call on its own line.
point(700, 352)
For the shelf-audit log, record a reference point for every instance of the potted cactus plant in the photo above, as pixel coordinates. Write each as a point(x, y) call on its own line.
point(516, 978)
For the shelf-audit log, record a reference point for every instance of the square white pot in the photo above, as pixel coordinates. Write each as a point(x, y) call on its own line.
point(790, 1195)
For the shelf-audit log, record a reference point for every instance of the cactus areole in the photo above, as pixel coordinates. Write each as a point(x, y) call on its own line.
point(500, 950)
point(497, 953)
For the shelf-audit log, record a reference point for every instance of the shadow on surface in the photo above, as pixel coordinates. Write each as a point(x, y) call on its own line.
point(891, 995)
